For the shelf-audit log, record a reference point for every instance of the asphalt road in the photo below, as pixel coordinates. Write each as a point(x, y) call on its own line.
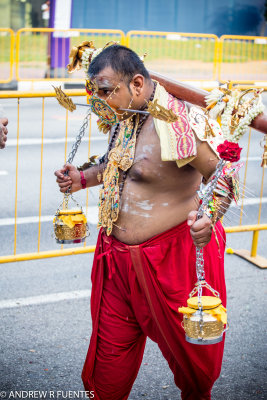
point(44, 337)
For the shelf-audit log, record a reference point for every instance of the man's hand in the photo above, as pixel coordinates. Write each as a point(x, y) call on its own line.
point(200, 230)
point(3, 132)
point(71, 181)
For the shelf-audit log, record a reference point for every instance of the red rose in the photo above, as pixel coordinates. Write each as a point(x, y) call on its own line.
point(229, 151)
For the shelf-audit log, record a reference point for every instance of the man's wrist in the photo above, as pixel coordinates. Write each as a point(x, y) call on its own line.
point(83, 180)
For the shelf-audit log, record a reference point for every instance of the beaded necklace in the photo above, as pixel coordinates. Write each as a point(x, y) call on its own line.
point(119, 157)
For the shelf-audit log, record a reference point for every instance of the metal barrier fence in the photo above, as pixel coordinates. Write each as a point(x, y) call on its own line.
point(246, 192)
point(242, 59)
point(42, 54)
point(33, 207)
point(29, 190)
point(7, 40)
point(182, 56)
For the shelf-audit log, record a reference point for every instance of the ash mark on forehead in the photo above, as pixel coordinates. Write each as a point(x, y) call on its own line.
point(104, 82)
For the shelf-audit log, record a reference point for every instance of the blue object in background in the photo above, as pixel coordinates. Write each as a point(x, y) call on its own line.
point(233, 17)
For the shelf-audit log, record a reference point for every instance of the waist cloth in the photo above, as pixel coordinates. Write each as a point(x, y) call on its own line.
point(136, 292)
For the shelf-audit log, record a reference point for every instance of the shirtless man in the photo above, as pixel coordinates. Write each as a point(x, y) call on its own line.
point(156, 233)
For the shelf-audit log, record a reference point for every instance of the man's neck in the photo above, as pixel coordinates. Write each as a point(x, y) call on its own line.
point(148, 90)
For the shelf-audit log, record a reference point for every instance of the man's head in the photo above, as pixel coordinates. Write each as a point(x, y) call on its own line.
point(121, 77)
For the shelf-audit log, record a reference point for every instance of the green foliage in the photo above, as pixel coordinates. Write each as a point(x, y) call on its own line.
point(34, 48)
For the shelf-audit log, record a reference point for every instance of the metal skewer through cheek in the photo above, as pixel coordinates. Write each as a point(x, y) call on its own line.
point(120, 109)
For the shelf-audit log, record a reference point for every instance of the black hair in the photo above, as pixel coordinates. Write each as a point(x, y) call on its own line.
point(122, 60)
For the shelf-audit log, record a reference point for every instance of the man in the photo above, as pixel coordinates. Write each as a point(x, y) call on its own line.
point(46, 13)
point(3, 132)
point(144, 265)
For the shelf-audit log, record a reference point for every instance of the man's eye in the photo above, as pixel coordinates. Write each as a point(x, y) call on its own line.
point(105, 91)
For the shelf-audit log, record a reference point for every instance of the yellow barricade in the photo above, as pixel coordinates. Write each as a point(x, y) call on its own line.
point(181, 56)
point(36, 154)
point(42, 53)
point(257, 195)
point(44, 161)
point(243, 59)
point(7, 40)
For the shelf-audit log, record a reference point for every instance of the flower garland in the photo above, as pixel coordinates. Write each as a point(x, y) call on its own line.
point(239, 112)
point(227, 114)
point(88, 56)
point(256, 109)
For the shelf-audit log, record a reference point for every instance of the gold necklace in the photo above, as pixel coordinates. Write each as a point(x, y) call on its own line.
point(120, 157)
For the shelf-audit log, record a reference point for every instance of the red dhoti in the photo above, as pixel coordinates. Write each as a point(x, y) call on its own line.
point(136, 292)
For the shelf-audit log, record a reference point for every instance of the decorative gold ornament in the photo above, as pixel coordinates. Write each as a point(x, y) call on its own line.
point(264, 156)
point(63, 99)
point(89, 164)
point(204, 318)
point(208, 129)
point(142, 58)
point(103, 110)
point(76, 55)
point(83, 54)
point(70, 224)
point(120, 157)
point(160, 112)
point(91, 86)
point(99, 176)
point(103, 126)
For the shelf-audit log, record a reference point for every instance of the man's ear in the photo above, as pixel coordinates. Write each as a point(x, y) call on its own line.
point(137, 84)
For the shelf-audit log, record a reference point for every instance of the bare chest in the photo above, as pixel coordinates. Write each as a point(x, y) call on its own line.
point(148, 166)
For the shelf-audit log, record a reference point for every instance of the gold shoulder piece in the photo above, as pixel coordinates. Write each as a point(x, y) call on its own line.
point(64, 100)
point(76, 55)
point(160, 112)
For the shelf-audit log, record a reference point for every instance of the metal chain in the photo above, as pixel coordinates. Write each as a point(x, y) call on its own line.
point(79, 137)
point(208, 193)
point(74, 149)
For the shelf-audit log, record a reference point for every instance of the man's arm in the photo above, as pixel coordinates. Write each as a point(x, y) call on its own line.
point(205, 162)
point(3, 132)
point(93, 175)
point(73, 179)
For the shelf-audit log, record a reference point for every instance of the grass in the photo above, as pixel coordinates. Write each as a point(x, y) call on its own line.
point(34, 48)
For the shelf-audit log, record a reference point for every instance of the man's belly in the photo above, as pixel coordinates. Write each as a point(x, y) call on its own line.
point(144, 214)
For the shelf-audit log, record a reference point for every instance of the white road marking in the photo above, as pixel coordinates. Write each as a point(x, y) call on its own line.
point(250, 201)
point(25, 220)
point(35, 141)
point(92, 214)
point(44, 299)
point(3, 173)
point(251, 158)
point(92, 218)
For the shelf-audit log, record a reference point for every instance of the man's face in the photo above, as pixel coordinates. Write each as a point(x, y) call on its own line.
point(113, 89)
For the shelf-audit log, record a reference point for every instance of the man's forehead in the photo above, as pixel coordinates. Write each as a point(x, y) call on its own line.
point(106, 75)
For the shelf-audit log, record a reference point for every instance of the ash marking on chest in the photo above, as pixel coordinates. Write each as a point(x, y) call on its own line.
point(145, 205)
point(146, 149)
point(140, 214)
point(165, 204)
point(129, 197)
